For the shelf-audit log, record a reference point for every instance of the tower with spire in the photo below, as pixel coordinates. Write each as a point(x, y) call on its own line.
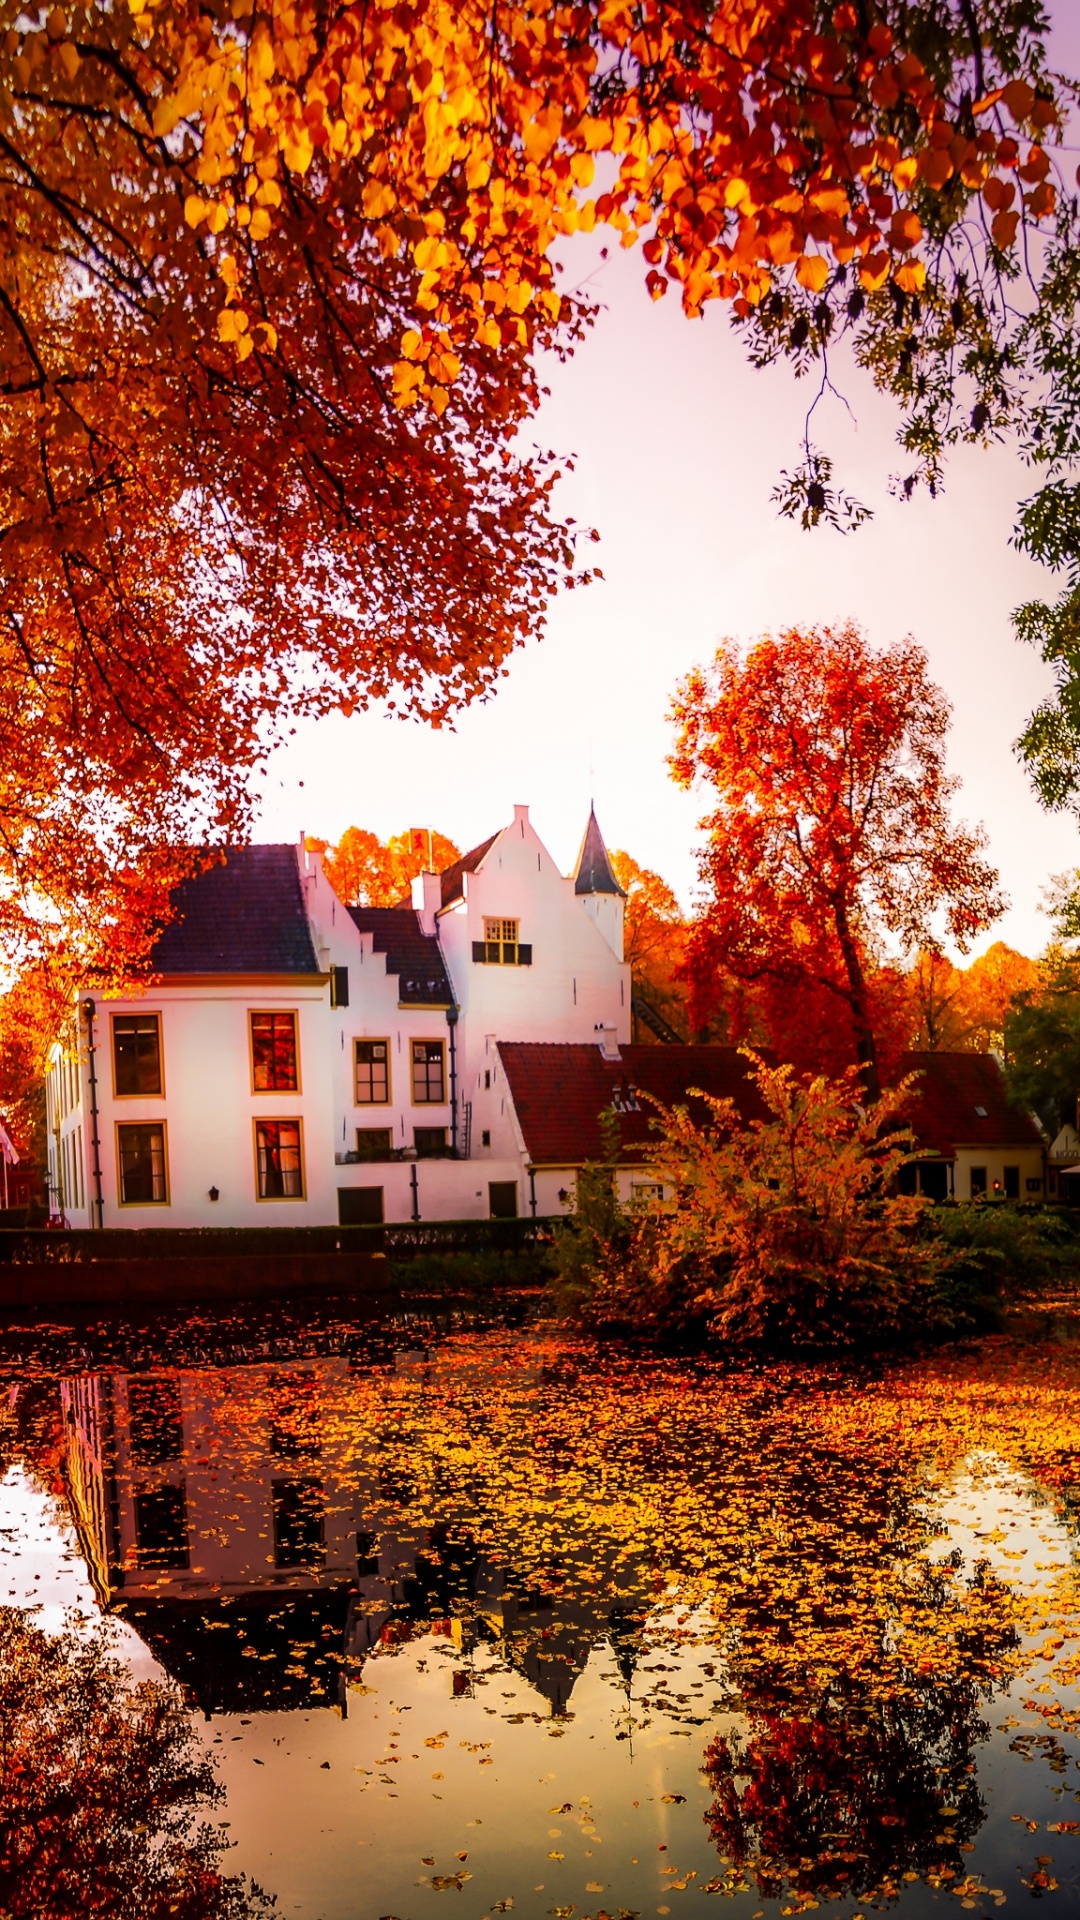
point(596, 886)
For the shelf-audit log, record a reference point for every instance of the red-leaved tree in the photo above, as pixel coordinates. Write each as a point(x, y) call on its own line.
point(831, 836)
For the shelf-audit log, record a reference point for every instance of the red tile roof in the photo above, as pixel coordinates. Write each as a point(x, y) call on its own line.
point(560, 1091)
point(952, 1088)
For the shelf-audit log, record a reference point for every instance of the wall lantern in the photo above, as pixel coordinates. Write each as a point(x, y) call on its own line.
point(563, 1196)
point(214, 1194)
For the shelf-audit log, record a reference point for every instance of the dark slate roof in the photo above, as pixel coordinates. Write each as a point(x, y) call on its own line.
point(593, 872)
point(415, 957)
point(560, 1091)
point(452, 883)
point(951, 1089)
point(244, 915)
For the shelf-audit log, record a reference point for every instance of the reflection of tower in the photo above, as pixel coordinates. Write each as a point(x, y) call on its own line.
point(548, 1633)
point(624, 1639)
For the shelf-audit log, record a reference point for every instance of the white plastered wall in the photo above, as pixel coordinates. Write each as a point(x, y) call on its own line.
point(1028, 1160)
point(576, 986)
point(209, 1108)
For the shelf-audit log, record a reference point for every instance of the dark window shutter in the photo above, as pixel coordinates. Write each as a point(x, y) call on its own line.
point(479, 951)
point(525, 956)
point(339, 986)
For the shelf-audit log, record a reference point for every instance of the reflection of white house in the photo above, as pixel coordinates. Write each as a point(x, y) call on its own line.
point(217, 1481)
point(250, 1523)
point(300, 1062)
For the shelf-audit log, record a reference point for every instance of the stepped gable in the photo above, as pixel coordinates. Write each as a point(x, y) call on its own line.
point(414, 956)
point(560, 1091)
point(593, 873)
point(962, 1100)
point(452, 878)
point(246, 914)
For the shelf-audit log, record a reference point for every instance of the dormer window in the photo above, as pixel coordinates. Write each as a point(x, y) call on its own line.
point(500, 946)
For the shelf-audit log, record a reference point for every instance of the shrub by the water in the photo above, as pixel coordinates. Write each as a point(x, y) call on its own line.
point(789, 1231)
point(995, 1250)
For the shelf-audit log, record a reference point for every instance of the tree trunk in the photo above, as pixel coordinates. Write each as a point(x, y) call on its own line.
point(865, 1045)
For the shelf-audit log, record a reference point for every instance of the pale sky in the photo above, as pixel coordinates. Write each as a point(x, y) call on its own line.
point(678, 444)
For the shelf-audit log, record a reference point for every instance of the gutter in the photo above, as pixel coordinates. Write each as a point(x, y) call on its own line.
point(89, 1011)
point(451, 1021)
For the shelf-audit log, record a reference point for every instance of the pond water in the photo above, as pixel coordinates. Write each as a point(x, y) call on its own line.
point(488, 1621)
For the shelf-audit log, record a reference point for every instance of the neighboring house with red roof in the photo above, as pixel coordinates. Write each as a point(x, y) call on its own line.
point(978, 1142)
point(546, 1101)
point(975, 1141)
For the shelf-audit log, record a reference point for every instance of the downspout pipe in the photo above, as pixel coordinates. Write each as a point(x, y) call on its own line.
point(89, 1010)
point(451, 1021)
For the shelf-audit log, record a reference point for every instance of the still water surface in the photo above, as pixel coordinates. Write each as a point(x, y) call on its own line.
point(483, 1622)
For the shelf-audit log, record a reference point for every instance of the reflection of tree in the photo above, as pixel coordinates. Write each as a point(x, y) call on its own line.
point(841, 1792)
point(101, 1786)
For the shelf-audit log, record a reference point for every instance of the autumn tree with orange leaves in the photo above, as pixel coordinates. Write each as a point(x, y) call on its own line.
point(104, 1790)
point(276, 283)
point(654, 943)
point(365, 871)
point(831, 832)
point(965, 1009)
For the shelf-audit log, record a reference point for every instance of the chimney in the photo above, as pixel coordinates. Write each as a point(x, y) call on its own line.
point(609, 1043)
point(521, 819)
point(427, 899)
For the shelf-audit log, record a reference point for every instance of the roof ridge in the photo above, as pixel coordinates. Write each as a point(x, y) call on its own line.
point(466, 863)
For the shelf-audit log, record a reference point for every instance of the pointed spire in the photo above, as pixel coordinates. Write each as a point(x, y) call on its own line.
point(593, 872)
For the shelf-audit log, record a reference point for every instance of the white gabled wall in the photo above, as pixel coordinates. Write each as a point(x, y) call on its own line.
point(374, 1012)
point(577, 984)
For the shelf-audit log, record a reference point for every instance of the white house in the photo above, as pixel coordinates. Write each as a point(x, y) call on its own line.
point(299, 1061)
point(208, 1098)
